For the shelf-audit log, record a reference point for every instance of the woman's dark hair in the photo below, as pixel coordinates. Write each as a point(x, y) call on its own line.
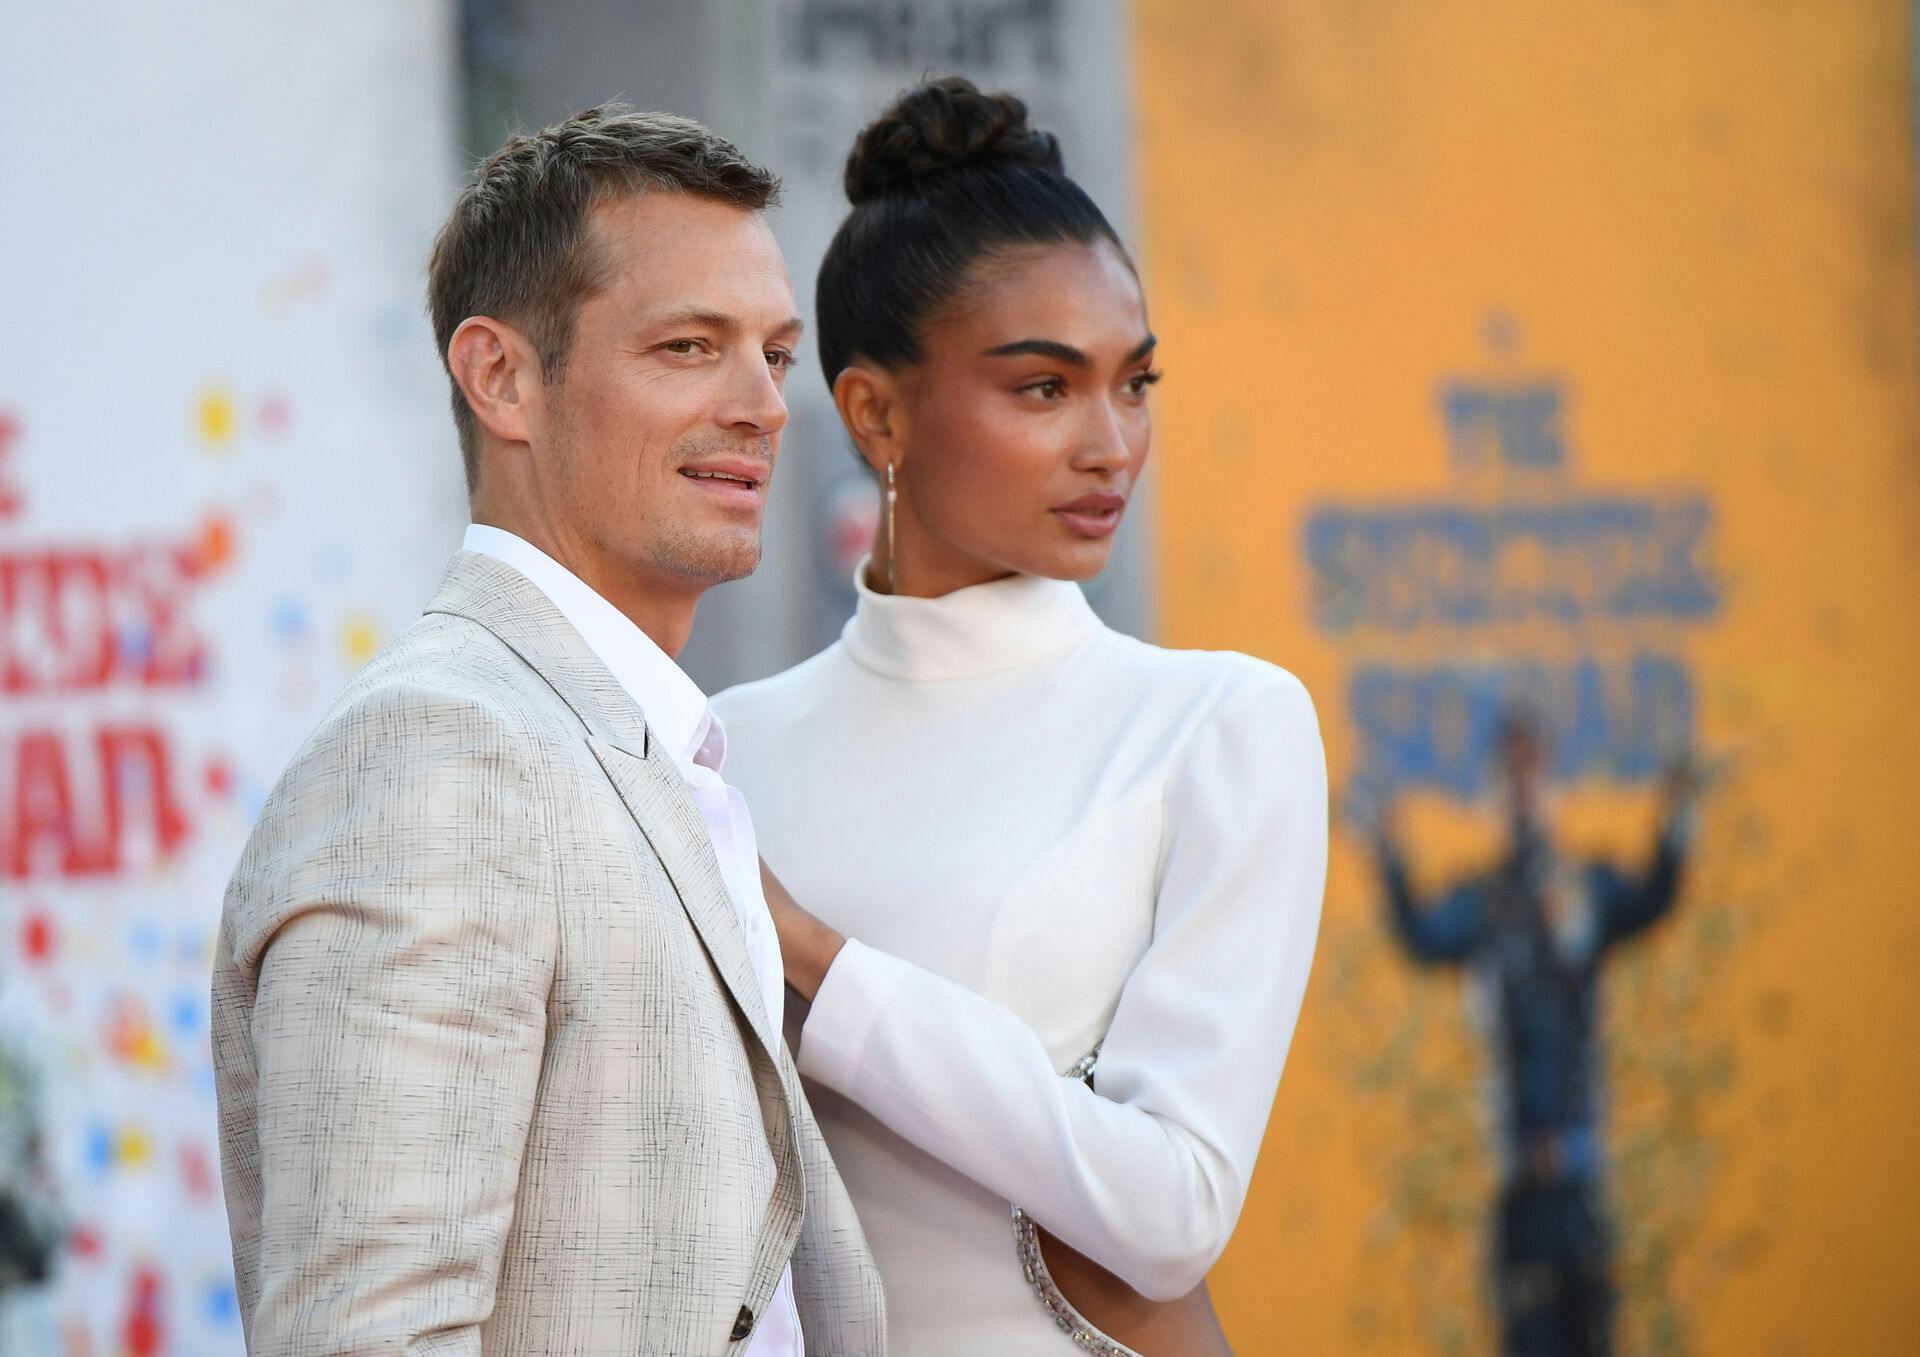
point(945, 177)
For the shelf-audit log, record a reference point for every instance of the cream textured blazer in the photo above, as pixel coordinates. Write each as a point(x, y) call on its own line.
point(494, 1073)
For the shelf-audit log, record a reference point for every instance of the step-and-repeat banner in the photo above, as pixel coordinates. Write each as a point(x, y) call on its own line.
point(226, 475)
point(1561, 360)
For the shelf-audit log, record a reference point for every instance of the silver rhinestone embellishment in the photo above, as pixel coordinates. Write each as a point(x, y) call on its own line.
point(1026, 1239)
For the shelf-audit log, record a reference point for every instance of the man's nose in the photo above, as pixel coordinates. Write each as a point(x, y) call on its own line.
point(755, 404)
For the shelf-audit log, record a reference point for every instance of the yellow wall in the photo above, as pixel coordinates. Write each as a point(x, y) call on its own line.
point(1695, 222)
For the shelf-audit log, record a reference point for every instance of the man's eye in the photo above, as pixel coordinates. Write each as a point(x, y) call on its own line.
point(681, 345)
point(779, 360)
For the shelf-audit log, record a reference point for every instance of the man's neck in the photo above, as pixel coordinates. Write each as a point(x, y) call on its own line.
point(664, 609)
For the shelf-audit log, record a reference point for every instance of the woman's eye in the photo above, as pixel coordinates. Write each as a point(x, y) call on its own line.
point(1140, 381)
point(1051, 389)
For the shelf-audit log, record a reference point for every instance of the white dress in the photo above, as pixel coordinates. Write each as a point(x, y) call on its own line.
point(1040, 836)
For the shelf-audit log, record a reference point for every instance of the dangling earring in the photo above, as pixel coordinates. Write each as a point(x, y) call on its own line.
point(892, 495)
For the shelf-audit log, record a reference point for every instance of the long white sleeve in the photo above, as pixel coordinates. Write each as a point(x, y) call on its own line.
point(1146, 1176)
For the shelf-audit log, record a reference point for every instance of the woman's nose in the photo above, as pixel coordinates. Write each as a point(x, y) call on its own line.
point(1104, 445)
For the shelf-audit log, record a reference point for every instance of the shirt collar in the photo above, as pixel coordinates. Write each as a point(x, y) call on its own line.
point(675, 708)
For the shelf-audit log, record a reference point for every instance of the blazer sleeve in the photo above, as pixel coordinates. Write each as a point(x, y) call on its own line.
point(1146, 1176)
point(394, 917)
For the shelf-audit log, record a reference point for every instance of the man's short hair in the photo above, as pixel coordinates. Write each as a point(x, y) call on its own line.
point(515, 246)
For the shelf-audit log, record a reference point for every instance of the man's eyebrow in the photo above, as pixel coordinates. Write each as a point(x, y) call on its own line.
point(702, 318)
point(1065, 353)
point(697, 316)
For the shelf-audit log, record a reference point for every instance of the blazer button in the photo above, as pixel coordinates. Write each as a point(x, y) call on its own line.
point(742, 1325)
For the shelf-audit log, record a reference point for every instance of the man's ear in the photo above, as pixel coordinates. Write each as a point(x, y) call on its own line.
point(500, 375)
point(870, 407)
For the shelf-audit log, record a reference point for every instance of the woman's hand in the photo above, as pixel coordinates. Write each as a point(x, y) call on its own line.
point(807, 946)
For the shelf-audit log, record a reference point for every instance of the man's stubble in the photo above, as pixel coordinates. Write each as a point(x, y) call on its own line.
point(669, 544)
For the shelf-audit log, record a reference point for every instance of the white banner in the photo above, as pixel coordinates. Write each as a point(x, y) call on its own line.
point(226, 476)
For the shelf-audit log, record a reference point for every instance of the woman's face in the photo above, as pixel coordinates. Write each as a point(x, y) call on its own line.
point(1021, 434)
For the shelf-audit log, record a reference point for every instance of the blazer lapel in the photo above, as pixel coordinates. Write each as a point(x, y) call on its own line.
point(662, 807)
point(508, 604)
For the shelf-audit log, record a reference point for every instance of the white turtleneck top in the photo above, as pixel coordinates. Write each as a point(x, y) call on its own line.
point(1038, 835)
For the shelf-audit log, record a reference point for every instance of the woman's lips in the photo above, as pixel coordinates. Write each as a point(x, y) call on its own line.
point(1093, 516)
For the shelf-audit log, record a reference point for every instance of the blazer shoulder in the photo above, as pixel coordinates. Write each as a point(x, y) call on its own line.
point(446, 696)
point(443, 666)
point(436, 732)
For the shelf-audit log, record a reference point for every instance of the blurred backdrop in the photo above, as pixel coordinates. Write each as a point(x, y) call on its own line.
point(1562, 355)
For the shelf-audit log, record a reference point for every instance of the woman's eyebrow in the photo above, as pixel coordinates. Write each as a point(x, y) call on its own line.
point(1043, 348)
point(1065, 353)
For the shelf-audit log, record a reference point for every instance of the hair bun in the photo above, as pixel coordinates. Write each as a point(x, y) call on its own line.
point(945, 124)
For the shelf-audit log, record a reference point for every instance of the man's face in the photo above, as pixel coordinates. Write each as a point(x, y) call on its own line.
point(664, 423)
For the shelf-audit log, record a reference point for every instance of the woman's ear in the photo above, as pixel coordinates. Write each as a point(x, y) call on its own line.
point(869, 403)
point(500, 375)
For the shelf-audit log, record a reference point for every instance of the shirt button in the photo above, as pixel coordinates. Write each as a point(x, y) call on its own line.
point(742, 1325)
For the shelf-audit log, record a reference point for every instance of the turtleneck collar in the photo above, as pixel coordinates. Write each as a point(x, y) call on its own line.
point(981, 629)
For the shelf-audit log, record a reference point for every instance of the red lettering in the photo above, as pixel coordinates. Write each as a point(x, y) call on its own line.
point(44, 832)
point(175, 655)
point(13, 613)
point(68, 815)
point(11, 500)
point(80, 620)
point(137, 775)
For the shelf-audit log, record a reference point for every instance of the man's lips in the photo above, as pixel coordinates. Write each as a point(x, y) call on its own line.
point(738, 479)
point(750, 470)
point(1094, 515)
